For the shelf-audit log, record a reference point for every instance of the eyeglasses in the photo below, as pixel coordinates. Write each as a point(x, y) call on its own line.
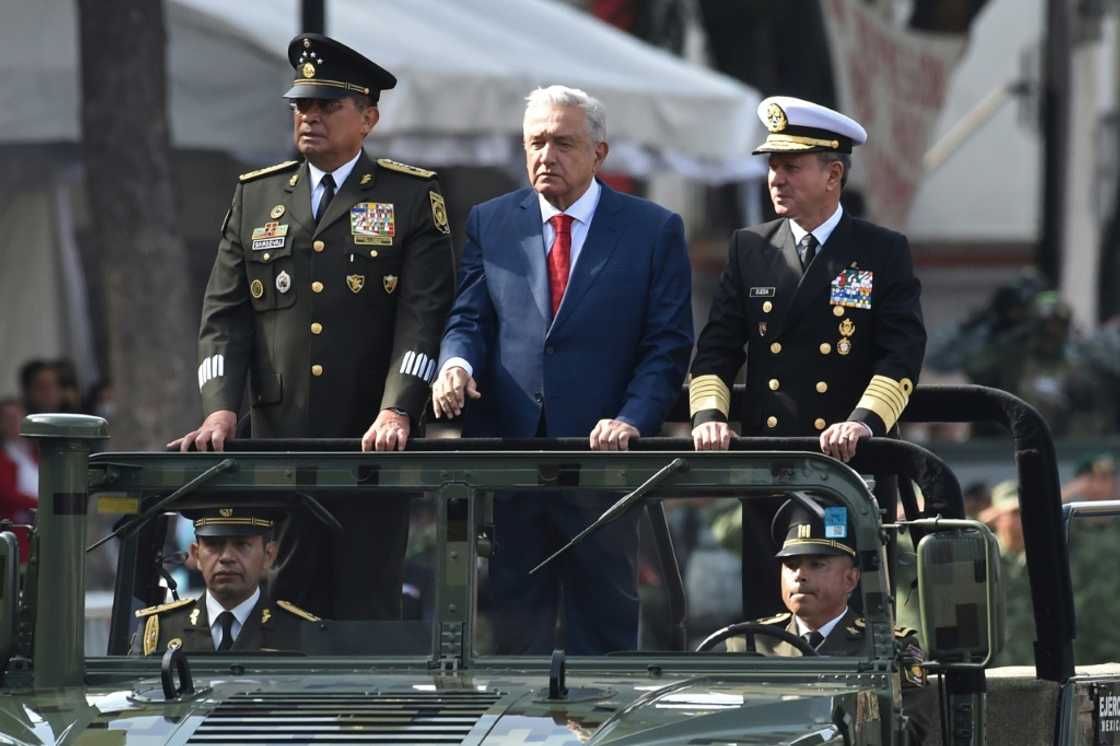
point(326, 106)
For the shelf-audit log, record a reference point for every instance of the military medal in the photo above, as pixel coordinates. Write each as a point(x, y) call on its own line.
point(270, 235)
point(373, 223)
point(356, 283)
point(283, 282)
point(847, 327)
point(390, 283)
point(256, 289)
point(852, 288)
point(276, 212)
point(844, 346)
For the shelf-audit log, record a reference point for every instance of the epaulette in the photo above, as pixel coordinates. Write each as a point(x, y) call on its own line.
point(404, 168)
point(249, 176)
point(776, 619)
point(141, 613)
point(291, 608)
point(903, 632)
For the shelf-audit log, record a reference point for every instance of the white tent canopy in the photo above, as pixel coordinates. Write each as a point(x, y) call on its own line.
point(464, 69)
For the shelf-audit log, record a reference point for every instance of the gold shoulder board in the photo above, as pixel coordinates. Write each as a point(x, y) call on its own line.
point(776, 619)
point(404, 168)
point(151, 635)
point(901, 632)
point(859, 622)
point(291, 608)
point(163, 607)
point(250, 175)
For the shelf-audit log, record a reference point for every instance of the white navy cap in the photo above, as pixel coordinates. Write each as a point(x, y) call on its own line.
point(799, 126)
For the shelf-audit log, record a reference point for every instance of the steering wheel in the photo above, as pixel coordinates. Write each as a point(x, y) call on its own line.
point(750, 630)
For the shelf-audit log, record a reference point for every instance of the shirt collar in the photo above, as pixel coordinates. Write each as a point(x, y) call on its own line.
point(824, 629)
point(583, 209)
point(339, 174)
point(822, 231)
point(241, 611)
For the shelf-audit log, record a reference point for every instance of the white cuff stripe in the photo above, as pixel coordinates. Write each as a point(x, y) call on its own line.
point(418, 364)
point(429, 374)
point(407, 363)
point(210, 368)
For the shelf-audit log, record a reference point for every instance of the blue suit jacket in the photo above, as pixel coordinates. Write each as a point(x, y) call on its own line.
point(620, 343)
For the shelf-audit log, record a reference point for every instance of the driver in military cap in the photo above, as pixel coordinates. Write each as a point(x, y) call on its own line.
point(332, 282)
point(234, 551)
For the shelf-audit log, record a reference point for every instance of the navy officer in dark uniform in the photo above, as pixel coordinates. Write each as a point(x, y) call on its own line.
point(332, 282)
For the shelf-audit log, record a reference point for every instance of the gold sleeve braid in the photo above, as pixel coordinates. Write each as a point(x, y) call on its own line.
point(151, 634)
point(887, 398)
point(709, 392)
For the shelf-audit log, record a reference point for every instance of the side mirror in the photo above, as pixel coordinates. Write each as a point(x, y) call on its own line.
point(9, 596)
point(959, 593)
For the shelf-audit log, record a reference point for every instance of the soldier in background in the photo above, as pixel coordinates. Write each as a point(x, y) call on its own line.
point(332, 282)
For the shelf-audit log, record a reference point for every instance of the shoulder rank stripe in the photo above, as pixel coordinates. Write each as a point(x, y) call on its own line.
point(141, 613)
point(404, 168)
point(291, 608)
point(250, 175)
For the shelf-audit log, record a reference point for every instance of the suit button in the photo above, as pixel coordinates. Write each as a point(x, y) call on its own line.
point(319, 247)
point(317, 286)
point(774, 384)
point(316, 328)
point(316, 370)
point(825, 348)
point(819, 423)
point(775, 347)
point(539, 397)
point(771, 422)
point(837, 310)
point(767, 307)
point(822, 387)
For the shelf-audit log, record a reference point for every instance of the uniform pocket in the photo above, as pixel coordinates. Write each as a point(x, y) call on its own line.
point(272, 281)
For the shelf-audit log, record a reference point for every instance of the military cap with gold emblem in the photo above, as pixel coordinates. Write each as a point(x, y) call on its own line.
point(803, 527)
point(232, 521)
point(799, 126)
point(326, 68)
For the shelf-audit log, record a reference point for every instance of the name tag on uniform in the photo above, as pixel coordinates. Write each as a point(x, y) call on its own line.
point(852, 288)
point(269, 236)
point(373, 223)
point(762, 292)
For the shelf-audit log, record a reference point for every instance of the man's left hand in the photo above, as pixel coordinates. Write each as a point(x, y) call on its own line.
point(840, 439)
point(389, 432)
point(612, 435)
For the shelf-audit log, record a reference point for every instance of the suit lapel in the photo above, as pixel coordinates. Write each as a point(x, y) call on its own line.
point(346, 195)
point(817, 279)
point(530, 234)
point(785, 267)
point(297, 198)
point(600, 243)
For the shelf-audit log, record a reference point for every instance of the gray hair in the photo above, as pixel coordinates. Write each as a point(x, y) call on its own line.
point(559, 95)
point(844, 159)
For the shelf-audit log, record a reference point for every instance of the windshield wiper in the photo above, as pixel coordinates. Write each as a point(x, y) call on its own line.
point(620, 508)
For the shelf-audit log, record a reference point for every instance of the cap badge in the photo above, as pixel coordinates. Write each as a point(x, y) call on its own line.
point(356, 283)
point(308, 70)
point(804, 531)
point(775, 118)
point(307, 44)
point(226, 512)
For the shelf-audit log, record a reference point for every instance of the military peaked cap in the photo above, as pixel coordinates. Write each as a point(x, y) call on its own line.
point(326, 68)
point(232, 521)
point(799, 126)
point(810, 529)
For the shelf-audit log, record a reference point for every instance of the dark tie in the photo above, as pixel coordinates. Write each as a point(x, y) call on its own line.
point(559, 259)
point(814, 639)
point(807, 249)
point(226, 620)
point(328, 194)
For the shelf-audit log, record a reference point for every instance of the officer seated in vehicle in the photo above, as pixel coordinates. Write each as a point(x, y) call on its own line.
point(234, 549)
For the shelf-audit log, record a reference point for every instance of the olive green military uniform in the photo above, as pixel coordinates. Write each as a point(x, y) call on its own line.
point(332, 322)
point(185, 624)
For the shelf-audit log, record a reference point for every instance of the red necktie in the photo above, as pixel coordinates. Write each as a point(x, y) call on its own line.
point(559, 259)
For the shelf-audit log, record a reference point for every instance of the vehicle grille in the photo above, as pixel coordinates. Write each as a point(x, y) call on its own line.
point(345, 717)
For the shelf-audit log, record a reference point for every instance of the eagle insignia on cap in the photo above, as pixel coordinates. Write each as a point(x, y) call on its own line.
point(775, 118)
point(308, 70)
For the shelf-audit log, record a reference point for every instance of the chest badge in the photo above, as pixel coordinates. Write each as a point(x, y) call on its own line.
point(277, 212)
point(355, 283)
point(762, 292)
point(847, 328)
point(256, 289)
point(270, 235)
point(389, 282)
point(266, 614)
point(844, 346)
point(194, 616)
point(373, 223)
point(852, 288)
point(283, 282)
point(762, 327)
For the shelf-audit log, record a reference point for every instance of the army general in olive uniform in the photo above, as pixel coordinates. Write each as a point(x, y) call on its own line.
point(331, 286)
point(233, 550)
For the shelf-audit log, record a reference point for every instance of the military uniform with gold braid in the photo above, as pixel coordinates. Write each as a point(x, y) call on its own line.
point(331, 321)
point(842, 341)
point(270, 626)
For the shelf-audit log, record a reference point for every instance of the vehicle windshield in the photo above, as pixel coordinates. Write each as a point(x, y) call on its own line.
point(691, 549)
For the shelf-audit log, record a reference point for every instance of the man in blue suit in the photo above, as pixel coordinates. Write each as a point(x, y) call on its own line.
point(573, 319)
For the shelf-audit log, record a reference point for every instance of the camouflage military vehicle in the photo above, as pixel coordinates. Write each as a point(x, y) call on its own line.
point(431, 677)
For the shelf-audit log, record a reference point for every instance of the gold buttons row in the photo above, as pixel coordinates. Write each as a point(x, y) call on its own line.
point(776, 347)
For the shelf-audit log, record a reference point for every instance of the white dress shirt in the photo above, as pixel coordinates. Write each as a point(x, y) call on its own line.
point(582, 211)
point(240, 614)
point(821, 232)
point(339, 175)
point(825, 629)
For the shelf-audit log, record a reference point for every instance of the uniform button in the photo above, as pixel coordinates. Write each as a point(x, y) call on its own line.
point(774, 384)
point(837, 310)
point(819, 423)
point(317, 286)
point(316, 370)
point(266, 256)
point(539, 397)
point(373, 253)
point(775, 347)
point(316, 328)
point(822, 387)
point(771, 422)
point(319, 246)
point(825, 348)
point(767, 307)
